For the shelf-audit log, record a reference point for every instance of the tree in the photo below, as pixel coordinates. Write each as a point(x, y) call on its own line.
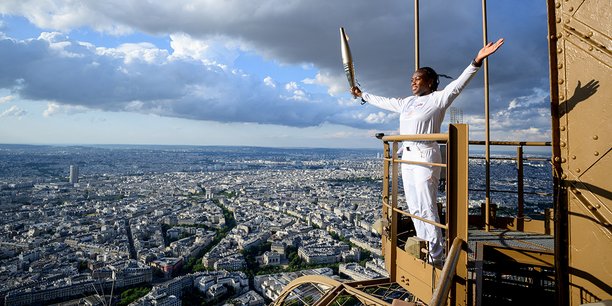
point(130, 295)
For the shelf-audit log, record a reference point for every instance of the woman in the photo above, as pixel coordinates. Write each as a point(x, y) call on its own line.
point(423, 113)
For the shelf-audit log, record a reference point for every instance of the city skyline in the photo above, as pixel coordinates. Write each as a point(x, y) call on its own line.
point(255, 74)
point(162, 215)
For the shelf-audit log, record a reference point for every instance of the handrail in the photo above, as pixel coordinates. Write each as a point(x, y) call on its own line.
point(446, 279)
point(512, 191)
point(440, 225)
point(512, 158)
point(418, 137)
point(512, 143)
point(412, 162)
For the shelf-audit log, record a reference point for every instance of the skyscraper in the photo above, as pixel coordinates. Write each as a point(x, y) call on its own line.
point(74, 174)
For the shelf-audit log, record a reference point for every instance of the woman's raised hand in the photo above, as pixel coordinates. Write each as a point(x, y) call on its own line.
point(487, 50)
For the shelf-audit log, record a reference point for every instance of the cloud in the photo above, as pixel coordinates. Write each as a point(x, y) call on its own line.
point(291, 86)
point(6, 99)
point(381, 117)
point(530, 134)
point(348, 135)
point(269, 82)
point(524, 111)
point(13, 111)
point(381, 41)
point(197, 78)
point(52, 109)
point(145, 52)
point(216, 50)
point(55, 109)
point(65, 15)
point(537, 98)
point(336, 85)
point(144, 79)
point(525, 118)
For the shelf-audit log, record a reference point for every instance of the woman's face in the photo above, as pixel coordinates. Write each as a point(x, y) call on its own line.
point(421, 85)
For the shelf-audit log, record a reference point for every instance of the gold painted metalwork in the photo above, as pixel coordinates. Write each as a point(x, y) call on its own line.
point(583, 234)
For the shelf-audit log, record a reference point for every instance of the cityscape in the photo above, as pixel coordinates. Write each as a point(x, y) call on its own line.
point(187, 225)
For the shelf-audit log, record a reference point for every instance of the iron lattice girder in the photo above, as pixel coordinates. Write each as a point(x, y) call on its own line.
point(356, 289)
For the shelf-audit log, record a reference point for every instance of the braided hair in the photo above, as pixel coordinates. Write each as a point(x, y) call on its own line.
point(431, 74)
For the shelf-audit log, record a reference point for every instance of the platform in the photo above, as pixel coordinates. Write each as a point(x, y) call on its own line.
point(509, 239)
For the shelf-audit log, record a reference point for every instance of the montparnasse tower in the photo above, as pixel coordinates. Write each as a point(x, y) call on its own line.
point(74, 174)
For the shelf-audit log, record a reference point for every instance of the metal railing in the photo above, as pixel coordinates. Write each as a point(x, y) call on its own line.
point(520, 191)
point(435, 287)
point(455, 223)
point(443, 286)
point(391, 157)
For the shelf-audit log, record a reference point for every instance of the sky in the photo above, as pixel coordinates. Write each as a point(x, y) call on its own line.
point(256, 73)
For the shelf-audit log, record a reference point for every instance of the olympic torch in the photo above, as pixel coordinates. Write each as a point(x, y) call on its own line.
point(347, 59)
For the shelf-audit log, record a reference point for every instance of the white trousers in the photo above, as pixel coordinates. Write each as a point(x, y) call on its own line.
point(421, 188)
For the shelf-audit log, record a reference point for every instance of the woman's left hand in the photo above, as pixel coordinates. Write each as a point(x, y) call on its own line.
point(487, 50)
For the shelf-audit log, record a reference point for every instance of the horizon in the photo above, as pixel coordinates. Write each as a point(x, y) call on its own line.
point(479, 149)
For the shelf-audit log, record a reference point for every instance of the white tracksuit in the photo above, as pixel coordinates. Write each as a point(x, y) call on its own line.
point(423, 115)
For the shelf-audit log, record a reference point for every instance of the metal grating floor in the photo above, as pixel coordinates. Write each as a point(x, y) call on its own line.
point(511, 239)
